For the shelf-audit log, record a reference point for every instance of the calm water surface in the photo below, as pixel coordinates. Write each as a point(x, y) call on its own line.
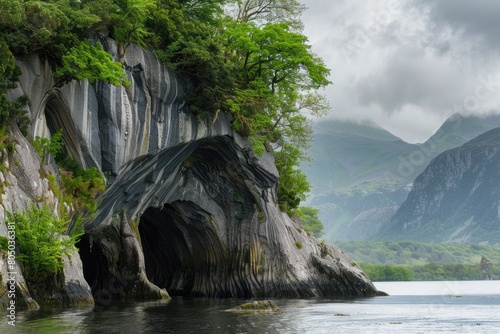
point(413, 307)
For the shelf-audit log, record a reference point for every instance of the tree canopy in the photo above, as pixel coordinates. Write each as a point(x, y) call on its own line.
point(309, 217)
point(245, 57)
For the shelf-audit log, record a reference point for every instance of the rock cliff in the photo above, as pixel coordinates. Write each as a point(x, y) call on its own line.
point(456, 198)
point(369, 171)
point(189, 209)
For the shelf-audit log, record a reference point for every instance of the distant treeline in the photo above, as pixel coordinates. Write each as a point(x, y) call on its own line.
point(427, 272)
point(417, 253)
point(405, 261)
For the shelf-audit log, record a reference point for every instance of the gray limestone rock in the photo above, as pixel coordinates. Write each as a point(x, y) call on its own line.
point(189, 208)
point(23, 185)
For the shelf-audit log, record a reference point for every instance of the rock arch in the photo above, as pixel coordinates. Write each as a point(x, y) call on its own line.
point(55, 114)
point(200, 219)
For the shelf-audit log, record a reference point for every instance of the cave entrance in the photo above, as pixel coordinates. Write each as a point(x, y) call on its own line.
point(94, 263)
point(182, 251)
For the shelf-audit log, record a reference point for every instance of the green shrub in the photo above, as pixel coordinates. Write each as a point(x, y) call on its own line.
point(298, 244)
point(91, 62)
point(45, 146)
point(10, 148)
point(4, 243)
point(83, 186)
point(53, 184)
point(79, 187)
point(41, 241)
point(447, 272)
point(4, 137)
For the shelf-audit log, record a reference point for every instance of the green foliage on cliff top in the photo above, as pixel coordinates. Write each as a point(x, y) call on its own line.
point(9, 74)
point(248, 58)
point(91, 62)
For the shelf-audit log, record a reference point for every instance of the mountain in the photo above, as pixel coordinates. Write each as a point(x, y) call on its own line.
point(362, 173)
point(459, 129)
point(349, 154)
point(456, 198)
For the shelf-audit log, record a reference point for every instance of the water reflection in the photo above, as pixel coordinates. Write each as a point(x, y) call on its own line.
point(401, 314)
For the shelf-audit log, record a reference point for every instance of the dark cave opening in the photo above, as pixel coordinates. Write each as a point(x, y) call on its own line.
point(166, 252)
point(95, 264)
point(182, 251)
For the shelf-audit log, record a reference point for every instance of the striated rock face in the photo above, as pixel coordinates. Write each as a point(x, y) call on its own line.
point(189, 209)
point(208, 224)
point(456, 198)
point(22, 185)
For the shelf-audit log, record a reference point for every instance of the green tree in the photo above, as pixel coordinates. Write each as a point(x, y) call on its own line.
point(309, 217)
point(292, 185)
point(256, 64)
point(91, 62)
point(190, 40)
point(265, 11)
point(9, 73)
point(59, 31)
point(263, 73)
point(52, 28)
point(208, 11)
point(128, 23)
point(388, 272)
point(276, 81)
point(11, 13)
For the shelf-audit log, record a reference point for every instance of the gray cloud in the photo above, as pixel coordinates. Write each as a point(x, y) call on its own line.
point(478, 18)
point(393, 61)
point(407, 78)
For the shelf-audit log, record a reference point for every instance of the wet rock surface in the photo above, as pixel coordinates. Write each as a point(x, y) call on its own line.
point(257, 307)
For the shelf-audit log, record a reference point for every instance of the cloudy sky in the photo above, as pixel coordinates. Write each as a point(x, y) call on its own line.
point(408, 64)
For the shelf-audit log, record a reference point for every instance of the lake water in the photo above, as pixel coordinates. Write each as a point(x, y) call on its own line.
point(413, 307)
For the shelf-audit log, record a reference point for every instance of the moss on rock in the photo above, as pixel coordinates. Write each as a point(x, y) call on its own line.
point(257, 307)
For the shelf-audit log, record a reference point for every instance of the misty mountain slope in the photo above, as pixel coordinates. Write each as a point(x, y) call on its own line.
point(459, 129)
point(348, 154)
point(362, 173)
point(456, 198)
